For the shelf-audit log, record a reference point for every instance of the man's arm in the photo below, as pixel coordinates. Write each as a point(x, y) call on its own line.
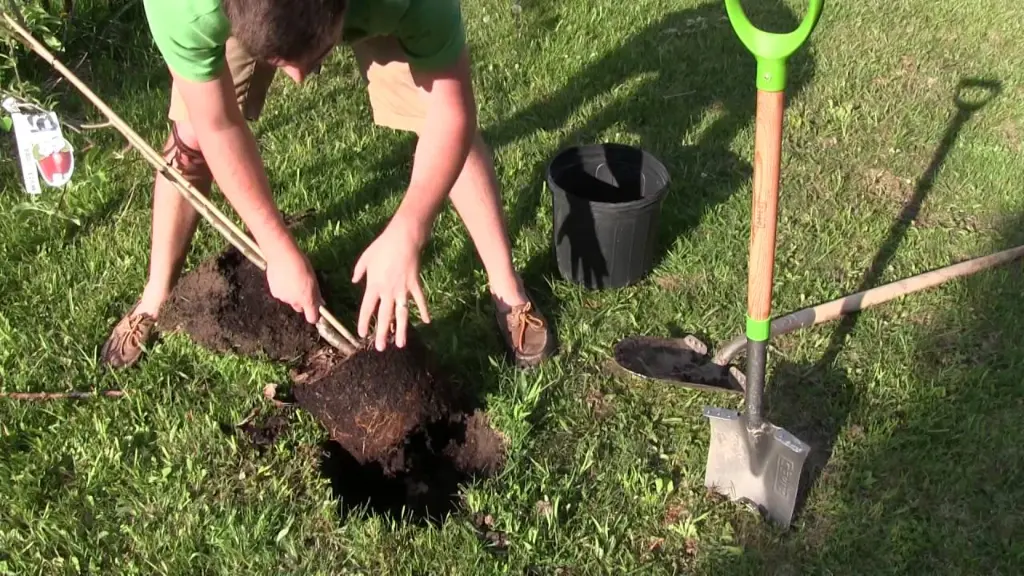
point(231, 152)
point(444, 143)
point(391, 262)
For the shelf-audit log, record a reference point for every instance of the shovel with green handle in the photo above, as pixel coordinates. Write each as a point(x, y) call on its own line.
point(750, 459)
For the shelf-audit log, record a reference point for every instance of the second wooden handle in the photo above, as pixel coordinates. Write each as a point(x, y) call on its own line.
point(767, 157)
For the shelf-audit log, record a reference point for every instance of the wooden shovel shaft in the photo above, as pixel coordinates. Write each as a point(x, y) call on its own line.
point(246, 245)
point(851, 303)
point(767, 156)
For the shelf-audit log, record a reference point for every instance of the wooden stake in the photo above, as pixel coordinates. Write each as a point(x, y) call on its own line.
point(42, 396)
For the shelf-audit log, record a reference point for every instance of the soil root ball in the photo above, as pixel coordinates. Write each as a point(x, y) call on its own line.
point(372, 401)
point(390, 411)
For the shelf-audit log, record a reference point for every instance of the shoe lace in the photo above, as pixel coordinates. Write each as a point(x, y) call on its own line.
point(133, 335)
point(524, 320)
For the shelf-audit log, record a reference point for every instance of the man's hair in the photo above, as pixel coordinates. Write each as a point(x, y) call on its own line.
point(285, 29)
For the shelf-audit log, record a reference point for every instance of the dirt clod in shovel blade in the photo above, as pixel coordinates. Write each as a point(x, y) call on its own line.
point(675, 359)
point(225, 305)
point(372, 401)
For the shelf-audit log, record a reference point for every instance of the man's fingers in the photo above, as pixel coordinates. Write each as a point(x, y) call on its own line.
point(401, 319)
point(366, 312)
point(312, 312)
point(360, 269)
point(421, 301)
point(383, 327)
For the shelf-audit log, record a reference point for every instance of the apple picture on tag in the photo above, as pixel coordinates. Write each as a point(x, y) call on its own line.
point(55, 160)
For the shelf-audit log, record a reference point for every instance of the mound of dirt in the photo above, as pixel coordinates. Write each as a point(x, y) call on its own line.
point(225, 305)
point(373, 400)
point(402, 435)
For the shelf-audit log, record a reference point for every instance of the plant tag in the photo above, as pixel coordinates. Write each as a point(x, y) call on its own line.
point(42, 148)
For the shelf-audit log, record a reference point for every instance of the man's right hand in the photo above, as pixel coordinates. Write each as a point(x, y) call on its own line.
point(293, 281)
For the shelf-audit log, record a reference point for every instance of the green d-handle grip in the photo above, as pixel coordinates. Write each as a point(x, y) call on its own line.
point(771, 49)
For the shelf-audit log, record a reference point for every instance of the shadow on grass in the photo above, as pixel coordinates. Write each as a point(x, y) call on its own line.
point(109, 47)
point(936, 486)
point(693, 67)
point(711, 74)
point(825, 382)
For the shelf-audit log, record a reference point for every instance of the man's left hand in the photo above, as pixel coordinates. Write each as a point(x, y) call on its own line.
point(391, 266)
point(391, 263)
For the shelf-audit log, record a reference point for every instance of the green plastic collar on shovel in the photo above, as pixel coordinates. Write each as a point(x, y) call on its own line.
point(771, 49)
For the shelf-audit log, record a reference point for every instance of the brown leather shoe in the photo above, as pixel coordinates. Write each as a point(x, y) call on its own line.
point(527, 335)
point(126, 342)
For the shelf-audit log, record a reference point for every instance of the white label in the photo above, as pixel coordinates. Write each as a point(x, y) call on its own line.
point(42, 149)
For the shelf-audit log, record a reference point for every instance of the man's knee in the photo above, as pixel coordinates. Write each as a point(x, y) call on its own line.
point(184, 154)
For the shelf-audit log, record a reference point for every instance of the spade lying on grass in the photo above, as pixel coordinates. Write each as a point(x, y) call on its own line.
point(387, 410)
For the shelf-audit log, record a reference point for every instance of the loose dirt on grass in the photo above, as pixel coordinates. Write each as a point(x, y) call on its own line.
point(887, 186)
point(401, 433)
point(225, 306)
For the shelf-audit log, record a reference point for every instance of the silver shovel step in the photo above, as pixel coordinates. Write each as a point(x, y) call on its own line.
point(759, 467)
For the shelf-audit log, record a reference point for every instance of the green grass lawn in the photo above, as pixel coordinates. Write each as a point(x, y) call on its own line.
point(913, 409)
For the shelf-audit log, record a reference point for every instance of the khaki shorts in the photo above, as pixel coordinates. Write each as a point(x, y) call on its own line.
point(396, 99)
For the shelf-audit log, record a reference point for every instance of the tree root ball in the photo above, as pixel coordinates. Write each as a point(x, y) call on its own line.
point(371, 401)
point(392, 412)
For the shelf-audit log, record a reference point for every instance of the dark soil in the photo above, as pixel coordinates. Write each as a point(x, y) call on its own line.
point(495, 541)
point(225, 305)
point(436, 461)
point(264, 433)
point(371, 401)
point(259, 431)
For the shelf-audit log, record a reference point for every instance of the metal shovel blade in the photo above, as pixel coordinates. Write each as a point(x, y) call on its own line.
point(683, 361)
point(759, 467)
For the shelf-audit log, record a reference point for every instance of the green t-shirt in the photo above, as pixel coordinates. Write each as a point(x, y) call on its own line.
point(191, 34)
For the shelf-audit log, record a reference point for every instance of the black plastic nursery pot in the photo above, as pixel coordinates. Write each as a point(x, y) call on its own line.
point(606, 205)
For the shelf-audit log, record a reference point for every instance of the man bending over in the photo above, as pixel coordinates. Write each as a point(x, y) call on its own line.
point(223, 55)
